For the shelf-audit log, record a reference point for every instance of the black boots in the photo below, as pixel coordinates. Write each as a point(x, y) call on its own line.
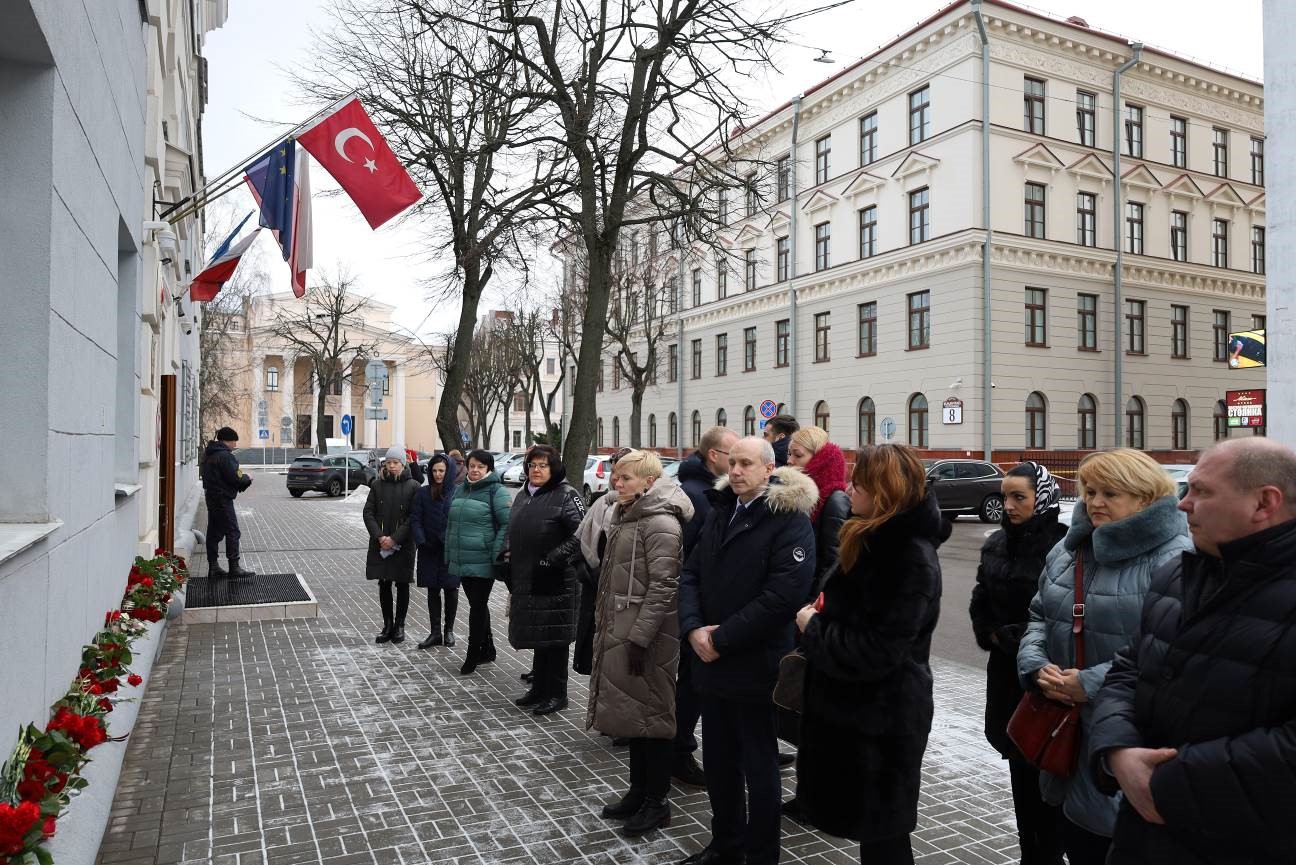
point(236, 571)
point(215, 571)
point(549, 706)
point(530, 698)
point(449, 636)
point(630, 803)
point(652, 815)
point(398, 631)
point(471, 660)
point(487, 651)
point(433, 639)
point(385, 635)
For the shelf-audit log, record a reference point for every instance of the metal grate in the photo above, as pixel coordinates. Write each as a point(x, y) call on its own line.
point(261, 589)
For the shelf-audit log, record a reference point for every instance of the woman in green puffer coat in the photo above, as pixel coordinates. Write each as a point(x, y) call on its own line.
point(475, 532)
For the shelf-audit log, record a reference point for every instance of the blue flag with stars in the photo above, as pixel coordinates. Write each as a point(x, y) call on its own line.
point(271, 178)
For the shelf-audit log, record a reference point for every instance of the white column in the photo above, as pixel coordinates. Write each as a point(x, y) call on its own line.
point(398, 407)
point(1280, 211)
point(286, 398)
point(258, 395)
point(315, 390)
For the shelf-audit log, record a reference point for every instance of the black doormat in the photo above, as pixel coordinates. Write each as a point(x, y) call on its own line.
point(229, 592)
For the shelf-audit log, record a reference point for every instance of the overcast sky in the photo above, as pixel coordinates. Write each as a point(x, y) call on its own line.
point(248, 86)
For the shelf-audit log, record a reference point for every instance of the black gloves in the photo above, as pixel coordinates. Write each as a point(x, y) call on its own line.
point(637, 658)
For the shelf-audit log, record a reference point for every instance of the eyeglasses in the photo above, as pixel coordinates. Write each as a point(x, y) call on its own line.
point(717, 450)
point(534, 466)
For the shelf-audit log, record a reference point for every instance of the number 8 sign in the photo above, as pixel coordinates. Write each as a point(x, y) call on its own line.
point(952, 411)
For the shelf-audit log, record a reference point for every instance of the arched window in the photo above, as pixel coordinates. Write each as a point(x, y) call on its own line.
point(1036, 417)
point(652, 430)
point(749, 421)
point(1179, 425)
point(867, 421)
point(598, 439)
point(1135, 412)
point(722, 417)
point(918, 420)
point(821, 415)
point(696, 427)
point(1221, 421)
point(672, 430)
point(1087, 422)
point(616, 432)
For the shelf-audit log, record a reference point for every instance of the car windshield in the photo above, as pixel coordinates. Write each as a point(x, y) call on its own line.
point(307, 461)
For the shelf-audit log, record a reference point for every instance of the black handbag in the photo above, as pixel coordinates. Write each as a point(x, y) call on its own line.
point(789, 689)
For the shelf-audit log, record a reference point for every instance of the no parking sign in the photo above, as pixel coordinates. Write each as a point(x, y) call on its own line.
point(768, 409)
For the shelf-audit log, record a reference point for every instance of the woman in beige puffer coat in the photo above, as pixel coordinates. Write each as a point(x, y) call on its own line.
point(636, 635)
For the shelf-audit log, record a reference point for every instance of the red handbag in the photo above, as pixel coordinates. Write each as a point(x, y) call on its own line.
point(1045, 731)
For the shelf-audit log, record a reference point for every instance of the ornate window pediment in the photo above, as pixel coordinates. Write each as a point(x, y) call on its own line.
point(1091, 166)
point(1039, 154)
point(914, 163)
point(862, 183)
point(818, 201)
point(1140, 177)
point(1184, 186)
point(1226, 195)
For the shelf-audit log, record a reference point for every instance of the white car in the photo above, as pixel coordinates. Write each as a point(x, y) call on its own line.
point(511, 470)
point(597, 476)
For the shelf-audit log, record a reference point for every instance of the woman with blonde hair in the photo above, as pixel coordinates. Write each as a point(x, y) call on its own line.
point(825, 464)
point(1126, 524)
point(636, 635)
point(867, 705)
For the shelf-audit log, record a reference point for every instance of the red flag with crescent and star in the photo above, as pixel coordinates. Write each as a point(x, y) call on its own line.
point(351, 149)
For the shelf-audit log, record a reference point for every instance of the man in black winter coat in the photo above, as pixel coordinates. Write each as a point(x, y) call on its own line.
point(739, 593)
point(1196, 721)
point(222, 480)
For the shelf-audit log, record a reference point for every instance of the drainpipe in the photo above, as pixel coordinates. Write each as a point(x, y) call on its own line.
point(679, 360)
point(1118, 404)
point(792, 262)
point(987, 357)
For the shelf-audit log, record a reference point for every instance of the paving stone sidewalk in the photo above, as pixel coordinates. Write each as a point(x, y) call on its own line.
point(304, 742)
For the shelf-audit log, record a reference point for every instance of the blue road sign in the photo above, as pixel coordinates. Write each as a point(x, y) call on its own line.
point(768, 408)
point(263, 433)
point(762, 423)
point(346, 424)
point(463, 437)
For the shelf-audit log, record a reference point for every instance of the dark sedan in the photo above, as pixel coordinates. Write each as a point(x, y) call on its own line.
point(329, 475)
point(967, 487)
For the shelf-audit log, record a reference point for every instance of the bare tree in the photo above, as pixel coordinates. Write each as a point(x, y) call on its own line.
point(322, 330)
point(641, 315)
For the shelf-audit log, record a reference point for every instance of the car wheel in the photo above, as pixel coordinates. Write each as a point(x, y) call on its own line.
point(992, 509)
point(296, 493)
point(335, 487)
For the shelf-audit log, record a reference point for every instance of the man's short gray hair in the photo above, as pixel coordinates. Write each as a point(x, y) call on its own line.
point(766, 449)
point(1261, 462)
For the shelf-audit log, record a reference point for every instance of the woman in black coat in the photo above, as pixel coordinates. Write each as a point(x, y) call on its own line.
point(542, 547)
point(429, 519)
point(390, 559)
point(868, 692)
point(1011, 561)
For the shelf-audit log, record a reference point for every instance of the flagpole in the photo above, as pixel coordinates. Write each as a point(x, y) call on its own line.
point(199, 198)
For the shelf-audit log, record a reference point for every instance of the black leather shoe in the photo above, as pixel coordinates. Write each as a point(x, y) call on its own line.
point(487, 653)
point(469, 664)
point(398, 634)
point(527, 677)
point(687, 771)
point(384, 636)
point(786, 760)
point(530, 698)
point(654, 814)
point(548, 707)
point(625, 807)
point(433, 639)
point(215, 571)
point(713, 857)
point(237, 571)
point(449, 637)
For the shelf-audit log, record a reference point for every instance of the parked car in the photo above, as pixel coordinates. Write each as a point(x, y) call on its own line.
point(967, 487)
point(327, 474)
point(596, 477)
point(510, 469)
point(368, 458)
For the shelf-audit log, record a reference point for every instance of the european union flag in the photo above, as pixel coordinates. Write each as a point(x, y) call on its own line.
point(272, 180)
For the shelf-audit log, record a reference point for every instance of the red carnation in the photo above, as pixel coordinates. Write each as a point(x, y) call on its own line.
point(134, 681)
point(105, 704)
point(147, 582)
point(31, 790)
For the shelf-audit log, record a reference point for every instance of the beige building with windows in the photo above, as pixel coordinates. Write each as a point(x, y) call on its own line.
point(852, 291)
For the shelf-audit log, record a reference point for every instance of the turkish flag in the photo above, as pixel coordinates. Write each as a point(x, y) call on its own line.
point(350, 148)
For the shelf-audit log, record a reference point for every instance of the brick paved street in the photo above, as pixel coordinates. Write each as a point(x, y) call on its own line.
point(302, 741)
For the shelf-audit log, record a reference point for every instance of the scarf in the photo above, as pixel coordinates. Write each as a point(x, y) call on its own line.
point(827, 468)
point(1047, 492)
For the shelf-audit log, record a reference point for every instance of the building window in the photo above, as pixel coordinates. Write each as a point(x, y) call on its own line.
point(823, 159)
point(919, 215)
point(1087, 423)
point(672, 430)
point(616, 432)
point(1257, 161)
point(1257, 322)
point(750, 194)
point(781, 331)
point(1134, 415)
point(722, 279)
point(1219, 242)
point(1220, 147)
point(1087, 322)
point(783, 178)
point(1178, 142)
point(749, 270)
point(781, 253)
point(722, 354)
point(696, 355)
point(822, 328)
point(749, 421)
point(867, 329)
point(1179, 331)
point(672, 294)
point(1086, 219)
point(272, 378)
point(722, 417)
point(918, 420)
point(1036, 317)
point(519, 402)
point(722, 205)
point(920, 319)
point(823, 239)
point(1257, 249)
point(1179, 425)
point(867, 416)
point(1178, 235)
point(1134, 227)
point(1035, 210)
point(1036, 417)
point(1033, 97)
point(1135, 313)
point(749, 349)
point(868, 232)
point(598, 434)
point(386, 385)
point(919, 115)
point(1221, 421)
point(697, 286)
point(868, 138)
point(672, 362)
point(1086, 112)
point(652, 430)
point(1134, 130)
point(550, 365)
point(695, 428)
point(1219, 334)
point(598, 385)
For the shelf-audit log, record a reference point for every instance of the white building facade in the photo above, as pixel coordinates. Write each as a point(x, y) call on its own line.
point(852, 292)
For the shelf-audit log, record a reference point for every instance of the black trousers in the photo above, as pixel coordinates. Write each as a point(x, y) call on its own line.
point(1082, 846)
point(887, 851)
point(742, 775)
point(402, 601)
point(650, 767)
point(1037, 820)
point(478, 590)
point(434, 607)
point(688, 708)
point(583, 651)
point(222, 524)
point(550, 670)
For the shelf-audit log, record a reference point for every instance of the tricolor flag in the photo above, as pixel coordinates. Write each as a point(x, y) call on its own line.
point(225, 261)
point(280, 183)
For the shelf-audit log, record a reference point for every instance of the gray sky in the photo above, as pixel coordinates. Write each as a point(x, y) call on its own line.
point(247, 87)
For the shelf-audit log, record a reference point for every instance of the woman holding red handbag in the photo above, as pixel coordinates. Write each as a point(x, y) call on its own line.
point(1090, 596)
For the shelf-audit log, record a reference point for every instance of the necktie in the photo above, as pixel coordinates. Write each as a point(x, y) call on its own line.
point(738, 512)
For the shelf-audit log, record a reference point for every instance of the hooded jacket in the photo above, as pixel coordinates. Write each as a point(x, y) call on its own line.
point(1119, 559)
point(637, 603)
point(827, 468)
point(387, 513)
point(428, 519)
point(220, 472)
point(542, 545)
point(477, 526)
point(749, 578)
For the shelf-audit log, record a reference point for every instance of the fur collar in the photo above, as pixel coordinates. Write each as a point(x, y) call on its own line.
point(789, 491)
point(1133, 536)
